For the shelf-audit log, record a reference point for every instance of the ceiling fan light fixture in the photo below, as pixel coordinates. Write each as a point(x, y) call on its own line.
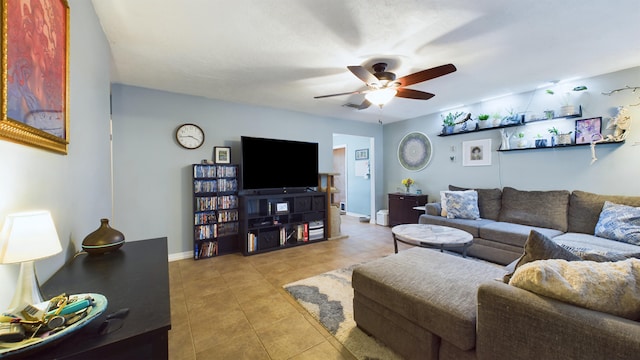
point(382, 96)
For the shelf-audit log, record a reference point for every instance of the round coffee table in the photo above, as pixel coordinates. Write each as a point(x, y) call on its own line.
point(432, 236)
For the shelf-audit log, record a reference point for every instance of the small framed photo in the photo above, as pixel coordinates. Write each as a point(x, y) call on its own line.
point(588, 130)
point(362, 154)
point(476, 153)
point(221, 154)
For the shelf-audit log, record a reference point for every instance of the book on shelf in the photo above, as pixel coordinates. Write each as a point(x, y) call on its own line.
point(252, 242)
point(206, 249)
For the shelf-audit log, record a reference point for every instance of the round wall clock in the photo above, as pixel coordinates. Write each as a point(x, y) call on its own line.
point(190, 136)
point(414, 151)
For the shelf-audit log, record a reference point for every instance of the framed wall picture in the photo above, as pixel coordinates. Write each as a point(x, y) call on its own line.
point(362, 154)
point(476, 153)
point(221, 154)
point(588, 130)
point(35, 74)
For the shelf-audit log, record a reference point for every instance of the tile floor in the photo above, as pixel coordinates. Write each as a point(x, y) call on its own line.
point(234, 307)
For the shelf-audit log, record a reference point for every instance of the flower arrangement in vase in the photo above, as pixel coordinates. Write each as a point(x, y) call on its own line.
point(407, 183)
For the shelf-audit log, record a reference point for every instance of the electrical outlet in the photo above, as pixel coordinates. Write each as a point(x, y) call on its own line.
point(453, 148)
point(452, 158)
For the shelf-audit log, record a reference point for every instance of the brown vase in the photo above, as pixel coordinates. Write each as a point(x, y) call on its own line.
point(103, 240)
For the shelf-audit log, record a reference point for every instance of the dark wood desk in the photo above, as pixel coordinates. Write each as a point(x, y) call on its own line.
point(135, 277)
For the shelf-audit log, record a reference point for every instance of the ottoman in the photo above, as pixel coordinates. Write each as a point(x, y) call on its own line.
point(421, 303)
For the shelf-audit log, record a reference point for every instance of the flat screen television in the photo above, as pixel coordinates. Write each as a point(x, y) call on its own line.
point(281, 165)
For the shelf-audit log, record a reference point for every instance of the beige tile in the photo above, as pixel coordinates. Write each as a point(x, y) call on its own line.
point(289, 337)
point(322, 351)
point(181, 342)
point(247, 346)
point(265, 311)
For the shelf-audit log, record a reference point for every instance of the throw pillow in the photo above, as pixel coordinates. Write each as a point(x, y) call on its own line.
point(620, 223)
point(540, 247)
point(610, 287)
point(443, 200)
point(585, 209)
point(462, 205)
point(489, 201)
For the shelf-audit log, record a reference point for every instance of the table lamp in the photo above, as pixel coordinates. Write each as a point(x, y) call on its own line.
point(26, 237)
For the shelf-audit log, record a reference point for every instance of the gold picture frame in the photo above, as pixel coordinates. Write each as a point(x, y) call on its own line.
point(35, 73)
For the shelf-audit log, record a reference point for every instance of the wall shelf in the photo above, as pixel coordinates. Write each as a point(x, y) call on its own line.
point(561, 146)
point(521, 123)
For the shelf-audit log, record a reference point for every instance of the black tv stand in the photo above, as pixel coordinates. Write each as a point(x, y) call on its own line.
point(281, 220)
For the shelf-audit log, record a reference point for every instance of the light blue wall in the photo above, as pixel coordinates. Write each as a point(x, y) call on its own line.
point(152, 173)
point(75, 187)
point(616, 171)
point(358, 187)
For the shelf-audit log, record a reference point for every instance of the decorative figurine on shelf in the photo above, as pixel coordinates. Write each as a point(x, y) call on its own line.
point(505, 139)
point(407, 183)
point(620, 124)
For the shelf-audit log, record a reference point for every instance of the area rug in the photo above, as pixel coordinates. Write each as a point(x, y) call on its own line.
point(328, 298)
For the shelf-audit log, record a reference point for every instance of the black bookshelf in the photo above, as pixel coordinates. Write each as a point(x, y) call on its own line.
point(215, 210)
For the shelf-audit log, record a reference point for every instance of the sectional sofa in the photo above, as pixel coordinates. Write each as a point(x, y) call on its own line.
point(569, 294)
point(507, 216)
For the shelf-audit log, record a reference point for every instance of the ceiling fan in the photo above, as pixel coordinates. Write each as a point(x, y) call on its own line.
point(382, 85)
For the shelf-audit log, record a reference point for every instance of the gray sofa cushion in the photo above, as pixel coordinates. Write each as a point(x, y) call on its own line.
point(547, 209)
point(489, 201)
point(578, 243)
point(470, 226)
point(512, 234)
point(585, 208)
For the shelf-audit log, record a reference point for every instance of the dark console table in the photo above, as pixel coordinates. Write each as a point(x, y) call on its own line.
point(135, 277)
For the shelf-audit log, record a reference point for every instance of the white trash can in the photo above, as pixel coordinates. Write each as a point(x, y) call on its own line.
point(382, 217)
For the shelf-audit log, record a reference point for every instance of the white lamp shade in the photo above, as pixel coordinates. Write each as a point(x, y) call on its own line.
point(28, 236)
point(382, 96)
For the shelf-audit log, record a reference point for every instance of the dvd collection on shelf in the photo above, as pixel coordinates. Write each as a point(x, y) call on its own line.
point(215, 209)
point(214, 171)
point(310, 231)
point(207, 249)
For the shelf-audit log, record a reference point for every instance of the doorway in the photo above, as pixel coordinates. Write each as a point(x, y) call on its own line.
point(356, 183)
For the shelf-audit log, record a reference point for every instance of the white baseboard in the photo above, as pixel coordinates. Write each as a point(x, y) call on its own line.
point(181, 256)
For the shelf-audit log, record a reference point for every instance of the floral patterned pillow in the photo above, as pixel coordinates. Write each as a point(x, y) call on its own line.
point(619, 222)
point(462, 204)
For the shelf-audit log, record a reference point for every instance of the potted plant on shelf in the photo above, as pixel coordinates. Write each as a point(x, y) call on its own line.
point(522, 142)
point(558, 138)
point(540, 141)
point(449, 122)
point(497, 119)
point(482, 121)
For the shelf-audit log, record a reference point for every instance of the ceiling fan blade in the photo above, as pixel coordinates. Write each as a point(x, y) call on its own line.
point(414, 94)
point(340, 94)
point(427, 74)
point(363, 74)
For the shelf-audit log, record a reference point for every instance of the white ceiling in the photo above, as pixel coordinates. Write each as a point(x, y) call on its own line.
point(282, 53)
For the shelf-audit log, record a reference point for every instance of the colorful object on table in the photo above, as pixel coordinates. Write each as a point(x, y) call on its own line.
point(52, 327)
point(407, 183)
